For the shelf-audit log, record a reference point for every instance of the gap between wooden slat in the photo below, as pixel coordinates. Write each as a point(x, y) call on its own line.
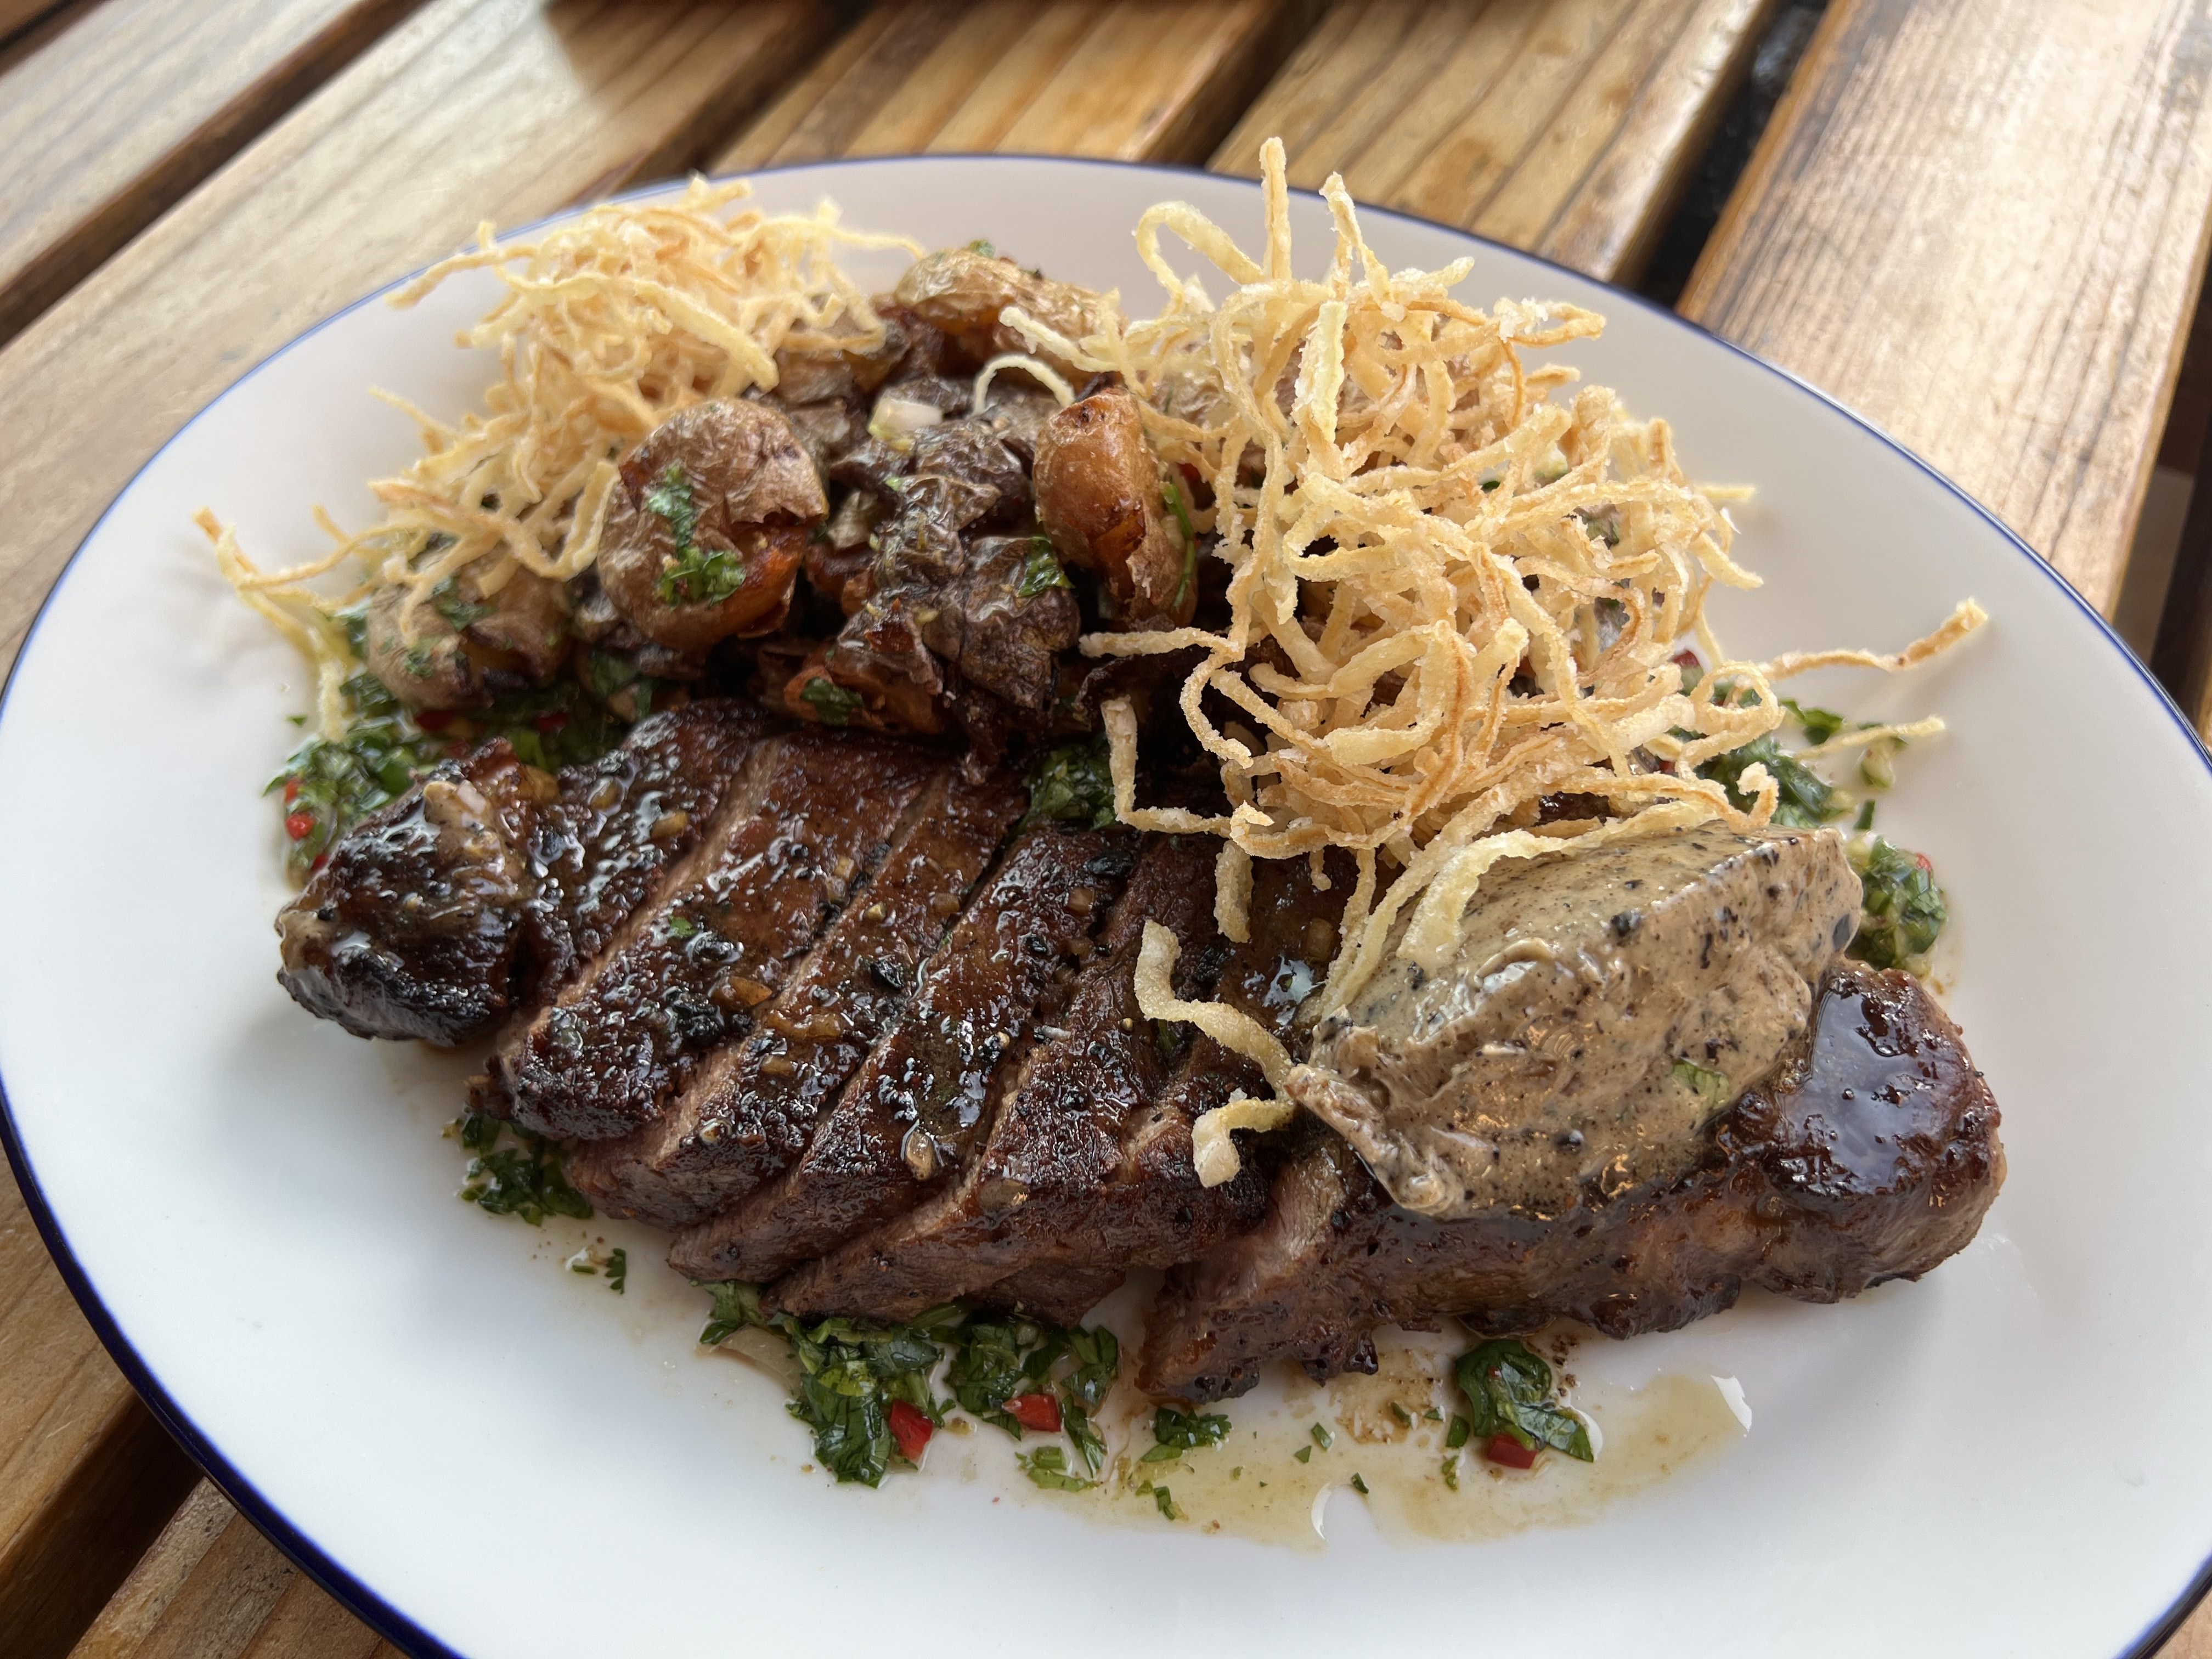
point(110, 113)
point(1983, 225)
point(1567, 127)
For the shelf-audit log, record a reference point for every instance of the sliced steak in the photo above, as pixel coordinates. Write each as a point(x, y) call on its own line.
point(808, 827)
point(1054, 1294)
point(1149, 1210)
point(1055, 1141)
point(484, 886)
point(913, 1114)
point(751, 1109)
point(1871, 1155)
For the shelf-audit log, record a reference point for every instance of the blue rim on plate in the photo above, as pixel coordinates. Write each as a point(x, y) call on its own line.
point(303, 1551)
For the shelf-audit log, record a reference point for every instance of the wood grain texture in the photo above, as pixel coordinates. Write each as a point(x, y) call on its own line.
point(213, 1588)
point(109, 113)
point(1567, 127)
point(1143, 80)
point(1983, 225)
point(471, 110)
point(87, 1476)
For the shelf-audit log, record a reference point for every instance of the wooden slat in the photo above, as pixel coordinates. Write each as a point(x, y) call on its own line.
point(17, 16)
point(213, 1588)
point(1567, 127)
point(473, 109)
point(108, 113)
point(1143, 80)
point(1983, 224)
point(87, 1477)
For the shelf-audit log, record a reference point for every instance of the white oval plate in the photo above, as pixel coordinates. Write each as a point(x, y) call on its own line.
point(485, 1455)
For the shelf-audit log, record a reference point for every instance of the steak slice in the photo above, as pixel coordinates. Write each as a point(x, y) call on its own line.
point(1055, 1293)
point(807, 827)
point(511, 879)
point(1151, 1210)
point(1871, 1155)
point(924, 1098)
point(751, 1107)
point(1055, 1140)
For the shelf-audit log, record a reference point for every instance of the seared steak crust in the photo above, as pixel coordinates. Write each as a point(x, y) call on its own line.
point(750, 1109)
point(1872, 1156)
point(913, 1113)
point(487, 885)
point(722, 936)
point(1056, 1139)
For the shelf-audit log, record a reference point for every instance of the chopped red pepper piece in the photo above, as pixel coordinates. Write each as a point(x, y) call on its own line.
point(551, 721)
point(1039, 1411)
point(434, 720)
point(321, 858)
point(300, 825)
point(1926, 865)
point(1687, 660)
point(291, 790)
point(1504, 1448)
point(911, 1427)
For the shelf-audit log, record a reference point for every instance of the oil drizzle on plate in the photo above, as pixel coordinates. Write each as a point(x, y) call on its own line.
point(1273, 1479)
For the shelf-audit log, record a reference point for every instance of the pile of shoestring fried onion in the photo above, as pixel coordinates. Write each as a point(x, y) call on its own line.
point(611, 323)
point(1452, 595)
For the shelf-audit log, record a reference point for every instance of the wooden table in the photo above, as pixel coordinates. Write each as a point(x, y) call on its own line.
point(1981, 222)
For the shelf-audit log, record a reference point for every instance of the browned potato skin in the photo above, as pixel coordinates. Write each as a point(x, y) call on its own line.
point(962, 293)
point(1099, 497)
point(524, 640)
point(756, 492)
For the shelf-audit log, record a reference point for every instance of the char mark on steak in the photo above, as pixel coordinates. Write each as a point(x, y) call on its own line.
point(752, 1106)
point(1054, 1142)
point(790, 846)
point(911, 1115)
point(1149, 1210)
point(488, 884)
point(1872, 1155)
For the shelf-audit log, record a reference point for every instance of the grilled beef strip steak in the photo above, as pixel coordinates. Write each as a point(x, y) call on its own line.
point(489, 884)
point(911, 1115)
point(1871, 1155)
point(1056, 1138)
point(1151, 1210)
point(620, 1040)
point(751, 1109)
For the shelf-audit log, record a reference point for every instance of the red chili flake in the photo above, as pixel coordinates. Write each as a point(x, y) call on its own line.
point(321, 858)
point(1687, 660)
point(300, 825)
point(1039, 1411)
point(551, 721)
point(434, 720)
point(1922, 860)
point(911, 1427)
point(291, 790)
point(1504, 1448)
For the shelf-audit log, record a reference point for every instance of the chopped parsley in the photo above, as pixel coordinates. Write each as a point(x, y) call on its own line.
point(1510, 1387)
point(1713, 1085)
point(1175, 1432)
point(1820, 724)
point(1074, 784)
point(1902, 912)
point(1450, 1472)
point(696, 575)
point(1456, 1436)
point(618, 1271)
point(1321, 1437)
point(852, 1372)
point(1040, 571)
point(1163, 1498)
point(1304, 1454)
point(1803, 801)
point(850, 1375)
point(832, 703)
point(524, 1179)
point(1047, 1466)
point(1173, 497)
point(1358, 1484)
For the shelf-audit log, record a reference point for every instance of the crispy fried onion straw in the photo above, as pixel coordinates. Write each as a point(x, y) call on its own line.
point(611, 323)
point(1451, 595)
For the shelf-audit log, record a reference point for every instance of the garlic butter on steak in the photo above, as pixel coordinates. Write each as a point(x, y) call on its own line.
point(1599, 1010)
